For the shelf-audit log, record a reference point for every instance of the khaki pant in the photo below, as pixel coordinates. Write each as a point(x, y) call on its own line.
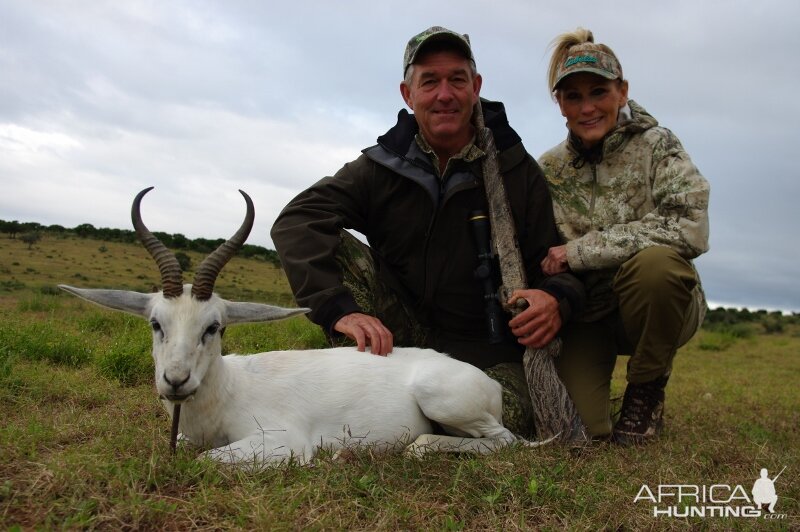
point(379, 299)
point(660, 308)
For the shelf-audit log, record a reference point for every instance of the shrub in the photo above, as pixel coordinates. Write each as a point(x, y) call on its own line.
point(107, 323)
point(734, 330)
point(50, 290)
point(715, 341)
point(6, 361)
point(772, 325)
point(724, 335)
point(128, 359)
point(31, 238)
point(13, 284)
point(45, 341)
point(738, 330)
point(38, 303)
point(184, 261)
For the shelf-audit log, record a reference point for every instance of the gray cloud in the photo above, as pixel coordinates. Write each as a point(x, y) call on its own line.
point(99, 100)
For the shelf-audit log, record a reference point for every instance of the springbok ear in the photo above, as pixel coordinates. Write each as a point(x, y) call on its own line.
point(132, 302)
point(254, 312)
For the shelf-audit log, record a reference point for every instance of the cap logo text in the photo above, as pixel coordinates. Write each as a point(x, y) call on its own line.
point(580, 59)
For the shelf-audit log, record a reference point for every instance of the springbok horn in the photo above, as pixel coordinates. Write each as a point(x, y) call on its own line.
point(209, 269)
point(171, 276)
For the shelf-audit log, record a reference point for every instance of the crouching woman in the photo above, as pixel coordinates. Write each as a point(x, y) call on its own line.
point(633, 211)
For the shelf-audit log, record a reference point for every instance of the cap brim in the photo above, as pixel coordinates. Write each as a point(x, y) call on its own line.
point(439, 37)
point(600, 72)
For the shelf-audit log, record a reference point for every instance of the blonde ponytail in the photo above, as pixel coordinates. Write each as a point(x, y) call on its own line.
point(580, 40)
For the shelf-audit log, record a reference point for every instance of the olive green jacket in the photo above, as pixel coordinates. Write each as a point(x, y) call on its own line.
point(644, 191)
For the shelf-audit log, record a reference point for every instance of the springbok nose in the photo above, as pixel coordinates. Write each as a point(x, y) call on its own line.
point(176, 384)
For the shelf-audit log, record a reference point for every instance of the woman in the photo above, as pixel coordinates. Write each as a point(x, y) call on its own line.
point(633, 211)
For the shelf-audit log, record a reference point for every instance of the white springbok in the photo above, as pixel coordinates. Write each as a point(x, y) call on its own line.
point(276, 406)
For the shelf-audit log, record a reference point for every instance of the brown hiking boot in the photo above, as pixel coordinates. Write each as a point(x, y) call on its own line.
point(642, 414)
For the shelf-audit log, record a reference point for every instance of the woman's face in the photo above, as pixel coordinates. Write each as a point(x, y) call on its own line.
point(591, 103)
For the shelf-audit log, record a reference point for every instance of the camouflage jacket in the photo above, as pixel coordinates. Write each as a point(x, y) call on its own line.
point(644, 191)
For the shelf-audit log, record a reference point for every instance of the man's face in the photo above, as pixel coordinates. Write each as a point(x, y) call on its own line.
point(442, 94)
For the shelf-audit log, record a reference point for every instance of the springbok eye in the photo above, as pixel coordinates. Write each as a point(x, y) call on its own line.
point(155, 325)
point(212, 329)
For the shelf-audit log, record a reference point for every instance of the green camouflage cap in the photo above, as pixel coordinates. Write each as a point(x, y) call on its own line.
point(582, 59)
point(435, 33)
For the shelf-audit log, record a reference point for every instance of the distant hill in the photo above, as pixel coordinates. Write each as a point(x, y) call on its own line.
point(112, 258)
point(175, 242)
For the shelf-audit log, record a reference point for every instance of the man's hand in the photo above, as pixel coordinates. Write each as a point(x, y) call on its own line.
point(538, 324)
point(366, 330)
point(555, 261)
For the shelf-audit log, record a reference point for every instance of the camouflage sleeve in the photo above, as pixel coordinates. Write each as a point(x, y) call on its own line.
point(538, 235)
point(678, 221)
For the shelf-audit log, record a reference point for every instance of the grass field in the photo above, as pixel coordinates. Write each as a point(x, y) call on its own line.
point(84, 441)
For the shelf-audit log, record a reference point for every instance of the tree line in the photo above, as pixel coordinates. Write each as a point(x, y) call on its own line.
point(31, 232)
point(734, 318)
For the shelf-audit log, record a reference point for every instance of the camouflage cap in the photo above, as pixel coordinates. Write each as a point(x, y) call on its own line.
point(435, 33)
point(583, 59)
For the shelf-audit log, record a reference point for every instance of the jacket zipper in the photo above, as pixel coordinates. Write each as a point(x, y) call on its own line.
point(427, 291)
point(594, 194)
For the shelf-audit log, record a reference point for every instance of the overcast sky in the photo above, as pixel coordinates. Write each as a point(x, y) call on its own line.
point(99, 99)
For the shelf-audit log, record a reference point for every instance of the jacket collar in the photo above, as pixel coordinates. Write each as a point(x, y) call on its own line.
point(398, 151)
point(400, 139)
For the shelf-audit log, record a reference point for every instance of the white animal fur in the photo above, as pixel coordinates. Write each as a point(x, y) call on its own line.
point(274, 406)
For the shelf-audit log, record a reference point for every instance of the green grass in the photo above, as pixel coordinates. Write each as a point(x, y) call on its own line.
point(78, 262)
point(84, 440)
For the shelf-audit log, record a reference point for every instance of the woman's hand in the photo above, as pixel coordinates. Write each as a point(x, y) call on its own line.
point(538, 324)
point(555, 261)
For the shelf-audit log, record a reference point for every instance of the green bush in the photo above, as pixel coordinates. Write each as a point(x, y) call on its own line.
point(45, 341)
point(37, 302)
point(733, 330)
point(716, 340)
point(295, 333)
point(772, 325)
point(128, 358)
point(184, 261)
point(6, 362)
point(106, 323)
point(50, 290)
point(11, 285)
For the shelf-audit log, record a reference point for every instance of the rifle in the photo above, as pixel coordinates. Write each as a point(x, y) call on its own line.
point(554, 412)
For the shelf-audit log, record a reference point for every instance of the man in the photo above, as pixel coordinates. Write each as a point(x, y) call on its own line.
point(412, 195)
